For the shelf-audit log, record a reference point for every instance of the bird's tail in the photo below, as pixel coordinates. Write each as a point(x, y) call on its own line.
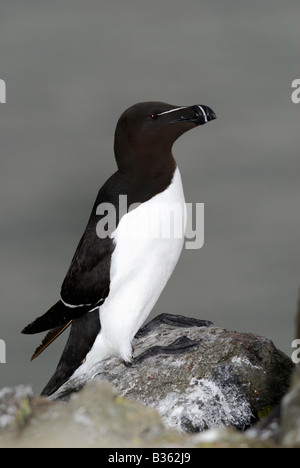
point(49, 338)
point(59, 315)
point(57, 320)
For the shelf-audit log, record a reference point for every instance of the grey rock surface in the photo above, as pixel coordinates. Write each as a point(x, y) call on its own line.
point(229, 379)
point(198, 397)
point(15, 406)
point(290, 407)
point(290, 413)
point(98, 417)
point(95, 417)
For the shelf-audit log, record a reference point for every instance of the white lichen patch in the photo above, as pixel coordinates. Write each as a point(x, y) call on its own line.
point(243, 361)
point(205, 405)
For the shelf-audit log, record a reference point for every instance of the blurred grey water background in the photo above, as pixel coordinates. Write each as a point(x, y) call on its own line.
point(71, 69)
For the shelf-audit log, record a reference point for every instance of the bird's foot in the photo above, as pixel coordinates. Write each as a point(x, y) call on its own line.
point(128, 363)
point(178, 321)
point(179, 346)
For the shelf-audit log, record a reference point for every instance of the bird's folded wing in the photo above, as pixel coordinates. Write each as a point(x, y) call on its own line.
point(57, 316)
point(88, 279)
point(87, 283)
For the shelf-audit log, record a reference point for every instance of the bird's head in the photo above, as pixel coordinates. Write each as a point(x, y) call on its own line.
point(148, 130)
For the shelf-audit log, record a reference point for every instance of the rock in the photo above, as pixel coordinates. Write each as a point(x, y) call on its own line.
point(290, 413)
point(95, 417)
point(229, 438)
point(219, 381)
point(98, 417)
point(290, 407)
point(228, 379)
point(15, 406)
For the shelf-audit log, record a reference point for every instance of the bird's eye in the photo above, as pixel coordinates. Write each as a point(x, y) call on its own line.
point(153, 116)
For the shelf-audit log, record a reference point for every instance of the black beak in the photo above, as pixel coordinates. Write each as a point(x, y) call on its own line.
point(199, 114)
point(203, 114)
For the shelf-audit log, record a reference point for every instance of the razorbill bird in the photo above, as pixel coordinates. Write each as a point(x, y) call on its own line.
point(120, 268)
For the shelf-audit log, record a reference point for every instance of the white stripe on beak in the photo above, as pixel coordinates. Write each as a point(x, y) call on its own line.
point(204, 114)
point(172, 110)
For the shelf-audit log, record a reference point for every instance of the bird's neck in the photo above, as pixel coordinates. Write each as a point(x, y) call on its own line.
point(144, 159)
point(147, 173)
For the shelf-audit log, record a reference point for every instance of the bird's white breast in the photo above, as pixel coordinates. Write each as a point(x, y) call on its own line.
point(149, 241)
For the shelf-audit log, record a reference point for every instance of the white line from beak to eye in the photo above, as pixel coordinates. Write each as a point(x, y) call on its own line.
point(172, 110)
point(204, 114)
